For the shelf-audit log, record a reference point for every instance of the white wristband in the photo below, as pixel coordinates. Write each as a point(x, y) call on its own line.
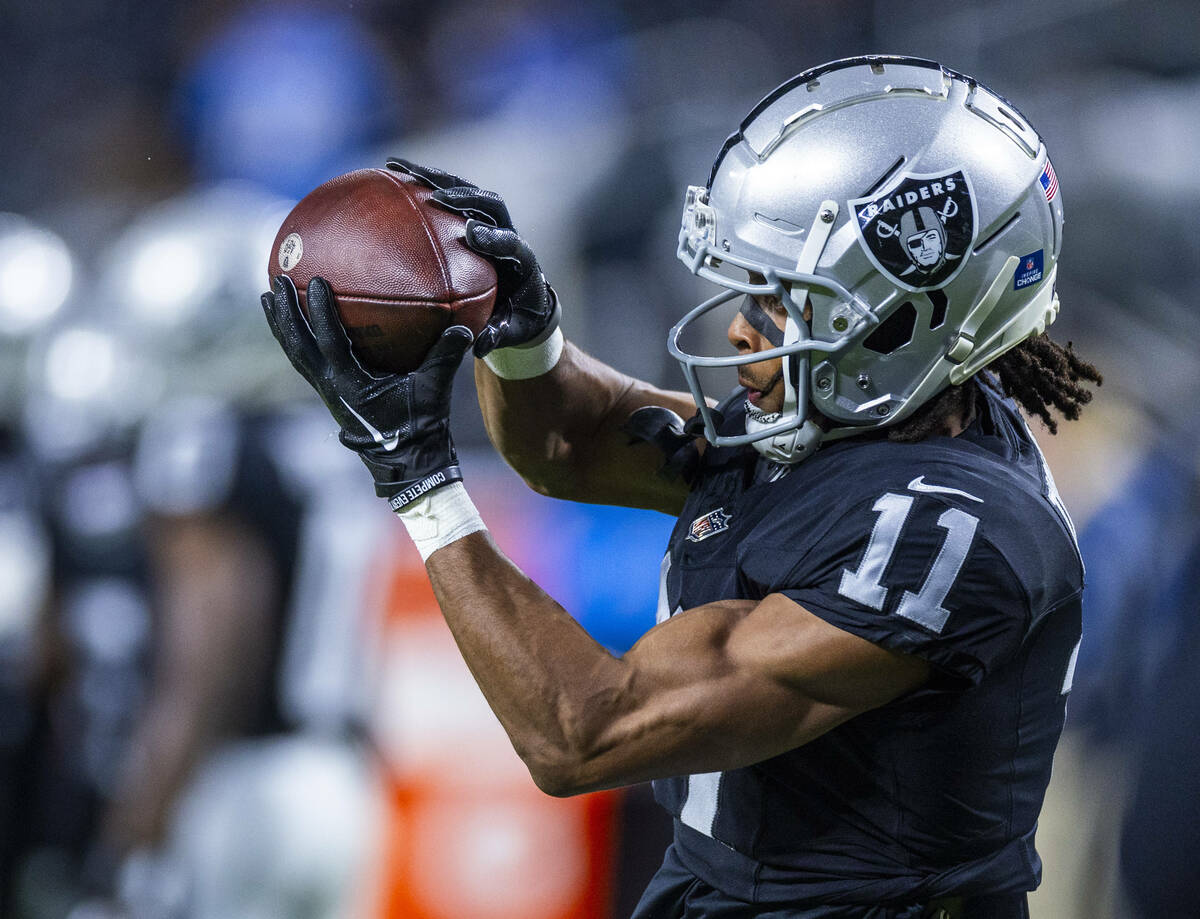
point(517, 363)
point(440, 517)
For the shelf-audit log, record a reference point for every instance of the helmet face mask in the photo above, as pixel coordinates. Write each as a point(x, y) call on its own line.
point(902, 203)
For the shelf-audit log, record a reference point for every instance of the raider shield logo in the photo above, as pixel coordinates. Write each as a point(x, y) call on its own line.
point(919, 230)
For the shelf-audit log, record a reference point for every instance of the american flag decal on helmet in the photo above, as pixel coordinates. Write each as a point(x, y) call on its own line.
point(710, 524)
point(1049, 181)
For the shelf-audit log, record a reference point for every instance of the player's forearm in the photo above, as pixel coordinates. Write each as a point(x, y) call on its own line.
point(548, 682)
point(579, 718)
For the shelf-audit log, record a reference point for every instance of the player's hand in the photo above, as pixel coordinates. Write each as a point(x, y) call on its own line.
point(526, 311)
point(399, 424)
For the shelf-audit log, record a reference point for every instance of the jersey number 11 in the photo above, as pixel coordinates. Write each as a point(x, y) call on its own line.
point(925, 606)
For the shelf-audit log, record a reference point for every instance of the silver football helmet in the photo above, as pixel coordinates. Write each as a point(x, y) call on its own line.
point(912, 209)
point(178, 281)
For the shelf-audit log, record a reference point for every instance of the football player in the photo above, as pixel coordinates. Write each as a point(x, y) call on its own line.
point(870, 604)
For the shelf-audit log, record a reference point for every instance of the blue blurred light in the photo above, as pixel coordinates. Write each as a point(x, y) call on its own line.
point(602, 563)
point(543, 64)
point(282, 95)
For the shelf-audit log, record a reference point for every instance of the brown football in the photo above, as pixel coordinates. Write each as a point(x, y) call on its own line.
point(398, 265)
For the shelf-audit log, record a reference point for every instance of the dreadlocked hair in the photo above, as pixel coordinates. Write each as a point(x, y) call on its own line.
point(1039, 374)
point(955, 403)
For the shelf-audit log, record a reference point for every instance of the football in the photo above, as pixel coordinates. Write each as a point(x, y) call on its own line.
point(397, 263)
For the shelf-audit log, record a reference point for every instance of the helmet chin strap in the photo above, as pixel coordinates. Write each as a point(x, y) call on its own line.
point(802, 441)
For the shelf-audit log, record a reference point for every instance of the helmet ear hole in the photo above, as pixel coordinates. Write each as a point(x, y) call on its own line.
point(894, 332)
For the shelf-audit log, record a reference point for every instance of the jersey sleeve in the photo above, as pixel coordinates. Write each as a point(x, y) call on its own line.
point(917, 574)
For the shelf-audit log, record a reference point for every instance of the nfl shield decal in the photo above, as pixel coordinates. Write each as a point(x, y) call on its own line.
point(710, 524)
point(1029, 270)
point(919, 231)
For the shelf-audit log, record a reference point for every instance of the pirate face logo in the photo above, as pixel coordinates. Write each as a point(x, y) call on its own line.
point(924, 237)
point(919, 230)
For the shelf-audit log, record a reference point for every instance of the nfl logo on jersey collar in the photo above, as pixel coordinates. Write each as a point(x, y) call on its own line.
point(710, 524)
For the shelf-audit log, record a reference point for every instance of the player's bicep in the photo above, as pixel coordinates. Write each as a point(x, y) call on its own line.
point(784, 642)
point(620, 466)
point(730, 684)
point(563, 432)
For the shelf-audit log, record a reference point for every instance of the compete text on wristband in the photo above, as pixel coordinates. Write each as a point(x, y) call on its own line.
point(417, 489)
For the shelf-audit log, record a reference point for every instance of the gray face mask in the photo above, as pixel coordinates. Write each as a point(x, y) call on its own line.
point(788, 446)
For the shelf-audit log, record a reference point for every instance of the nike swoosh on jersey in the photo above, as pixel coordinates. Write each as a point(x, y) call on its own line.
point(389, 442)
point(919, 484)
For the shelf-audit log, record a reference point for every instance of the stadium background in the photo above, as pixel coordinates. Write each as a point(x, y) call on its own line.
point(224, 690)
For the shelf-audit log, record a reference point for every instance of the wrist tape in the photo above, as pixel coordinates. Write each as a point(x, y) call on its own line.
point(525, 362)
point(440, 517)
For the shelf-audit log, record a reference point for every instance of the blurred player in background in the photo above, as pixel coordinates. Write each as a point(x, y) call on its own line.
point(241, 791)
point(870, 607)
point(171, 688)
point(180, 697)
point(37, 271)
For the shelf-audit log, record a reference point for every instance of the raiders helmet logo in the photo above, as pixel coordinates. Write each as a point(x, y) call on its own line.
point(919, 231)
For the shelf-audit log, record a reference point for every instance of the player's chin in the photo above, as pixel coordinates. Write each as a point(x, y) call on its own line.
point(765, 400)
point(763, 390)
point(769, 404)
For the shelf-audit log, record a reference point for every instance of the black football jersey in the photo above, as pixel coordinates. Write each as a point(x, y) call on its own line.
point(955, 549)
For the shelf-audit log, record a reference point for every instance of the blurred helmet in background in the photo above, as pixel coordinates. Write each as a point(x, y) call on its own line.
point(914, 211)
point(37, 274)
point(183, 282)
point(174, 314)
point(87, 388)
point(285, 826)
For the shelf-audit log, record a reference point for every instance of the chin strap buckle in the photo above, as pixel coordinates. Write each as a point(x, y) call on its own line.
point(963, 345)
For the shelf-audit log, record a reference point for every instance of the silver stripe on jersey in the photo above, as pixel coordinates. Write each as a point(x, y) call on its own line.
point(700, 809)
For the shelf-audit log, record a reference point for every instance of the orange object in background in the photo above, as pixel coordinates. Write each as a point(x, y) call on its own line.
point(468, 835)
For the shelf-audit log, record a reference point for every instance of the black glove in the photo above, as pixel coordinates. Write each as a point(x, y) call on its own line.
point(526, 311)
point(676, 438)
point(398, 423)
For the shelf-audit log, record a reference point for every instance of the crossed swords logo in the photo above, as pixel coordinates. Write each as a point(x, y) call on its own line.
point(887, 230)
point(924, 227)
